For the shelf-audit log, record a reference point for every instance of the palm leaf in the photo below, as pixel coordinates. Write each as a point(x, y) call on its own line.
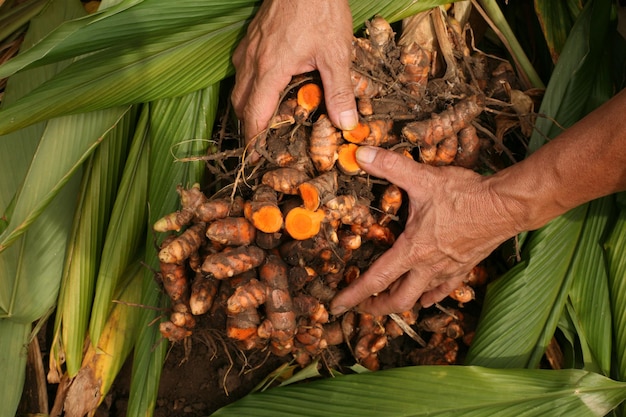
point(126, 228)
point(574, 77)
point(589, 292)
point(616, 258)
point(556, 19)
point(13, 352)
point(440, 391)
point(100, 180)
point(184, 124)
point(514, 323)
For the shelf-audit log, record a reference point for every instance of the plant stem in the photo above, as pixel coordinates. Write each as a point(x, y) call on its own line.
point(493, 15)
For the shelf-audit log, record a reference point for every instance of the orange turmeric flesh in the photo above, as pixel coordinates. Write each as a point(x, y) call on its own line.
point(302, 223)
point(347, 159)
point(358, 134)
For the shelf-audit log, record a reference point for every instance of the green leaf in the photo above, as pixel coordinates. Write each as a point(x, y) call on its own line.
point(99, 186)
point(141, 73)
point(65, 144)
point(200, 36)
point(439, 391)
point(174, 123)
point(573, 78)
point(556, 19)
point(589, 291)
point(616, 261)
point(523, 65)
point(13, 352)
point(126, 228)
point(522, 308)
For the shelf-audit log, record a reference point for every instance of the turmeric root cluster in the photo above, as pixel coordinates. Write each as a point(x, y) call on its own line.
point(306, 221)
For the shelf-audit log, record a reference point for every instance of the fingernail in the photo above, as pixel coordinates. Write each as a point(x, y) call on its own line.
point(366, 154)
point(348, 119)
point(337, 310)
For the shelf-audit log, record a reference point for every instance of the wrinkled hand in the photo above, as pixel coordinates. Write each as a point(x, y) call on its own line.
point(455, 221)
point(288, 38)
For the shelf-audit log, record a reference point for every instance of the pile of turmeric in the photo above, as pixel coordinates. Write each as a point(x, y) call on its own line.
point(281, 236)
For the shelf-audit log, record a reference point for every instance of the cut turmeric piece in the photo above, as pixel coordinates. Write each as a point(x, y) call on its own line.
point(319, 190)
point(263, 211)
point(309, 98)
point(232, 231)
point(243, 326)
point(233, 262)
point(358, 134)
point(346, 161)
point(391, 199)
point(302, 223)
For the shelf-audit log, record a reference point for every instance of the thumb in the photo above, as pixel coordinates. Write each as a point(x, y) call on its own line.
point(389, 165)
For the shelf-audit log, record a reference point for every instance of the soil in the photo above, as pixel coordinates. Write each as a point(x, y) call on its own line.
point(211, 372)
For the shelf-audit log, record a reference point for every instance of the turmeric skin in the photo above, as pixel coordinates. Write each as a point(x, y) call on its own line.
point(249, 295)
point(184, 245)
point(233, 262)
point(285, 180)
point(281, 316)
point(430, 132)
point(469, 148)
point(323, 144)
point(232, 231)
point(203, 292)
point(172, 332)
point(190, 200)
point(416, 61)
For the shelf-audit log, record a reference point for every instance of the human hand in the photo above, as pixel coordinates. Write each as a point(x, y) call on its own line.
point(455, 220)
point(288, 38)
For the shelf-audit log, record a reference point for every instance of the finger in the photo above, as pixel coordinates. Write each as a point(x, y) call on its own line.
point(261, 104)
point(385, 270)
point(402, 296)
point(338, 91)
point(442, 291)
point(244, 76)
point(396, 168)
